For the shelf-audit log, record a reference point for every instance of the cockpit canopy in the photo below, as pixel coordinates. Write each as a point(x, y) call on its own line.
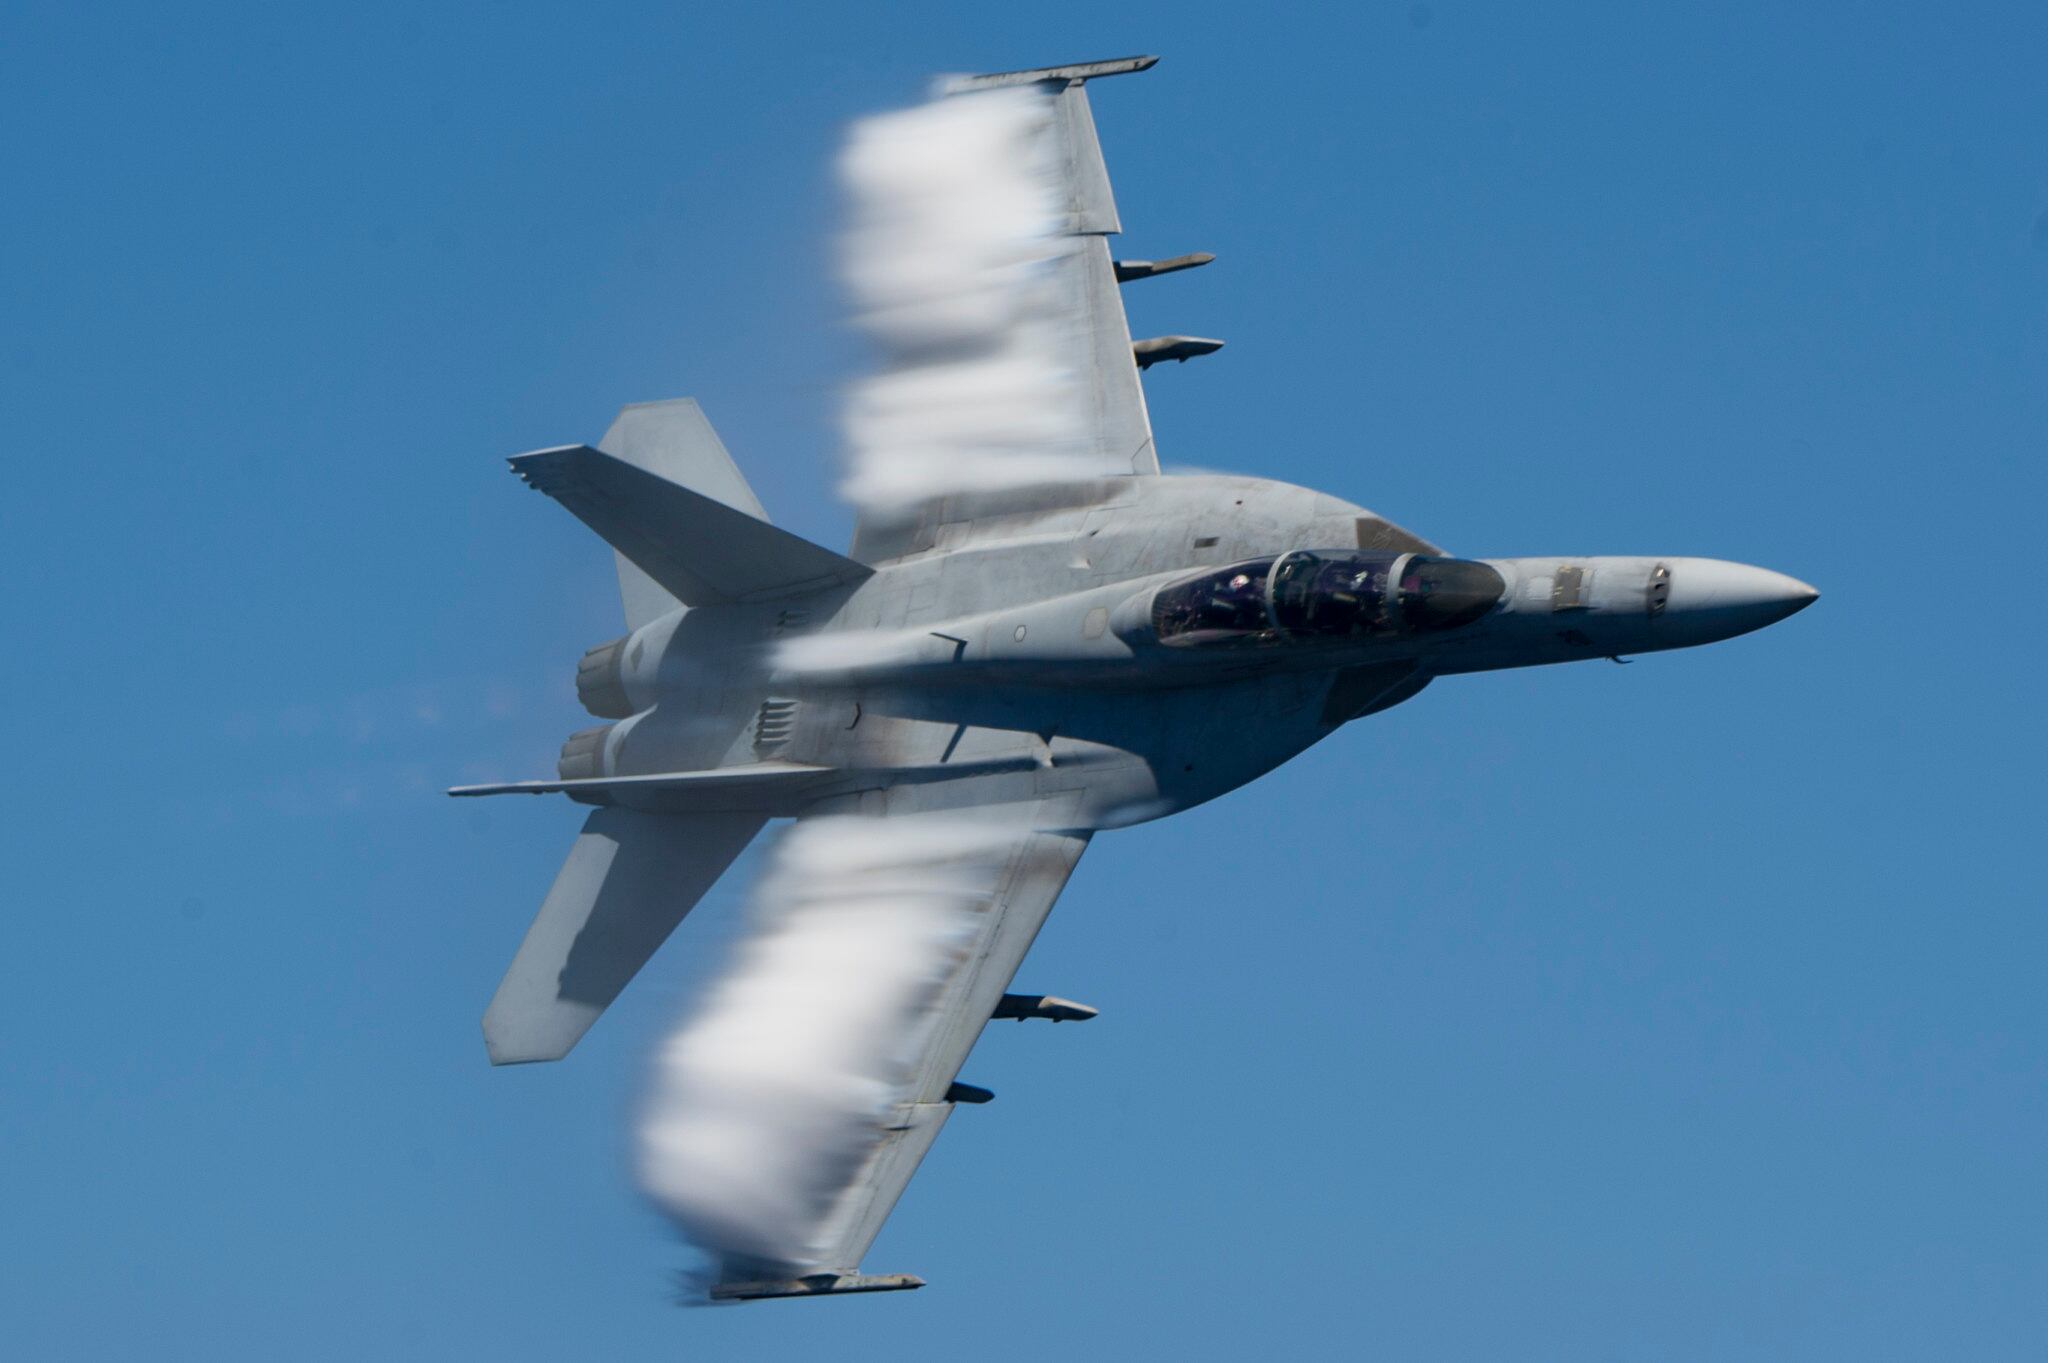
point(1331, 594)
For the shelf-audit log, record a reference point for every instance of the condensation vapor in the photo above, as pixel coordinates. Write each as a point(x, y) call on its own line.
point(841, 651)
point(950, 255)
point(764, 1105)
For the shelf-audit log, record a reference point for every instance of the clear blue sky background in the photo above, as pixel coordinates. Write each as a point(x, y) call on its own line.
point(1688, 1010)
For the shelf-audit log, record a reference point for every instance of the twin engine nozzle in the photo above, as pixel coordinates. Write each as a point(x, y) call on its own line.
point(601, 680)
point(601, 688)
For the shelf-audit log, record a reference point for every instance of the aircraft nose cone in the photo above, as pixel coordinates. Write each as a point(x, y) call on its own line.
point(1719, 600)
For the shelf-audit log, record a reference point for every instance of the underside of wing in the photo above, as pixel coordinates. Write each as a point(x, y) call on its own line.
point(789, 1114)
point(1094, 332)
point(1008, 365)
point(1032, 877)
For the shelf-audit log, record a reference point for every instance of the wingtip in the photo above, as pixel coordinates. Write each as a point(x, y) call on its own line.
point(534, 465)
point(827, 1284)
point(1072, 71)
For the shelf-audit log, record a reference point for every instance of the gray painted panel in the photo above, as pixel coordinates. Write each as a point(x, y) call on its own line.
point(701, 551)
point(1033, 879)
point(1089, 202)
point(673, 440)
point(628, 881)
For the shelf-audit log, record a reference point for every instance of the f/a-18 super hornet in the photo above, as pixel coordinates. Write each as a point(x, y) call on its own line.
point(1034, 636)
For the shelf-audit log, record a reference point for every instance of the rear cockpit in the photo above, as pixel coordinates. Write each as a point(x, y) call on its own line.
point(1332, 595)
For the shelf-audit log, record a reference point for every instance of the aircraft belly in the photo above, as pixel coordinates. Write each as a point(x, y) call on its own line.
point(1124, 758)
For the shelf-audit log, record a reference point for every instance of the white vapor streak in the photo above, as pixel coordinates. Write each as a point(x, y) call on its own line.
point(764, 1106)
point(852, 650)
point(956, 229)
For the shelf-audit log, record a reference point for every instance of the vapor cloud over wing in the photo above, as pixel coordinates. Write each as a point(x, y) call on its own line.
point(955, 228)
point(765, 1105)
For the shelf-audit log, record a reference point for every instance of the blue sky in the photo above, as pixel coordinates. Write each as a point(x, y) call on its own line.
point(1688, 1010)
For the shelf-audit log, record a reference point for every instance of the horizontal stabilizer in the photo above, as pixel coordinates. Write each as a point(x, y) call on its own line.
point(817, 1285)
point(628, 881)
point(701, 551)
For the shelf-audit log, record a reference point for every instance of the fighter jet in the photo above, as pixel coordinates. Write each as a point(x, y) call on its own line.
point(1034, 636)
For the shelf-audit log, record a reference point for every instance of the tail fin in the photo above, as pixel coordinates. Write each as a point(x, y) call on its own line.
point(630, 878)
point(673, 439)
point(674, 442)
point(692, 548)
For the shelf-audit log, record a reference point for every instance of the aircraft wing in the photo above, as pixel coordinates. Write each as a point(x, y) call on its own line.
point(1035, 872)
point(1087, 309)
point(1020, 862)
point(1096, 335)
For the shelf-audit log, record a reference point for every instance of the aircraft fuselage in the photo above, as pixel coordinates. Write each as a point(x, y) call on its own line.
point(1036, 654)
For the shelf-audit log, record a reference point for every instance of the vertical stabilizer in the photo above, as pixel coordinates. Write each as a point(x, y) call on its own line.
point(672, 440)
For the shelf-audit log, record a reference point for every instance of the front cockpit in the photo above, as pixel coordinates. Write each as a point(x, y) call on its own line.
point(1331, 595)
point(1444, 593)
